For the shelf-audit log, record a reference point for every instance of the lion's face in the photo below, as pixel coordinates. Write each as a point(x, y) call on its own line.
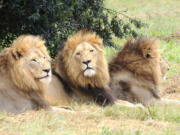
point(33, 66)
point(37, 65)
point(30, 63)
point(85, 59)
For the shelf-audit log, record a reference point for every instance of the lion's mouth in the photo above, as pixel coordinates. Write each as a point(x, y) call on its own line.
point(164, 77)
point(89, 72)
point(45, 79)
point(88, 68)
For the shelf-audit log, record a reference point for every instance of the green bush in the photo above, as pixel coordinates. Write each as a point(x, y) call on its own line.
point(55, 20)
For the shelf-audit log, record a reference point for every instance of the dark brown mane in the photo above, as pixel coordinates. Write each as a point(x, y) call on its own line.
point(137, 65)
point(132, 59)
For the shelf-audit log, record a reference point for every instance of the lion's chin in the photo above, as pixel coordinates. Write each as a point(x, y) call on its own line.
point(46, 79)
point(89, 72)
point(164, 77)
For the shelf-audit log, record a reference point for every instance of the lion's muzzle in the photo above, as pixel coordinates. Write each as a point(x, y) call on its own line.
point(47, 77)
point(88, 70)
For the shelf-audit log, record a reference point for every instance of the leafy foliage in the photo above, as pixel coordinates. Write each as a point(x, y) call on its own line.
point(55, 20)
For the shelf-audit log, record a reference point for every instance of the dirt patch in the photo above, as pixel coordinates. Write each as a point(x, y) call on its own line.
point(171, 87)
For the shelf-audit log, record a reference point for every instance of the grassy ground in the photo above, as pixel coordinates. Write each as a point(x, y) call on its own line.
point(163, 18)
point(93, 120)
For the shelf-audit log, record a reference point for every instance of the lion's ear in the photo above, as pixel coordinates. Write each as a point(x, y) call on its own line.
point(99, 48)
point(16, 55)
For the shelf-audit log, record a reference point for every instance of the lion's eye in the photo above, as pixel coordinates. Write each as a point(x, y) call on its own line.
point(34, 60)
point(44, 57)
point(91, 50)
point(78, 53)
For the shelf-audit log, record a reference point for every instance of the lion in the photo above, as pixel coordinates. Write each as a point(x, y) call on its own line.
point(25, 73)
point(136, 72)
point(80, 70)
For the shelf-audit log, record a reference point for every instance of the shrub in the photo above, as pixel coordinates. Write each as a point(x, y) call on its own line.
point(55, 20)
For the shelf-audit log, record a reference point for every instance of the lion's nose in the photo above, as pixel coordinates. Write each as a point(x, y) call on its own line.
point(148, 55)
point(87, 62)
point(46, 70)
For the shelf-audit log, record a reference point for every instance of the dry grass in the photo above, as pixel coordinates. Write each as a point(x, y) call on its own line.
point(91, 119)
point(171, 87)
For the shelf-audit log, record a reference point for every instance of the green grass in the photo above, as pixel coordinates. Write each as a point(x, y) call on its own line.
point(163, 19)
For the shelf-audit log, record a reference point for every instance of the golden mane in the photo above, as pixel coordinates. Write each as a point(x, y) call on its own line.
point(23, 43)
point(65, 55)
point(63, 65)
point(83, 36)
point(20, 48)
